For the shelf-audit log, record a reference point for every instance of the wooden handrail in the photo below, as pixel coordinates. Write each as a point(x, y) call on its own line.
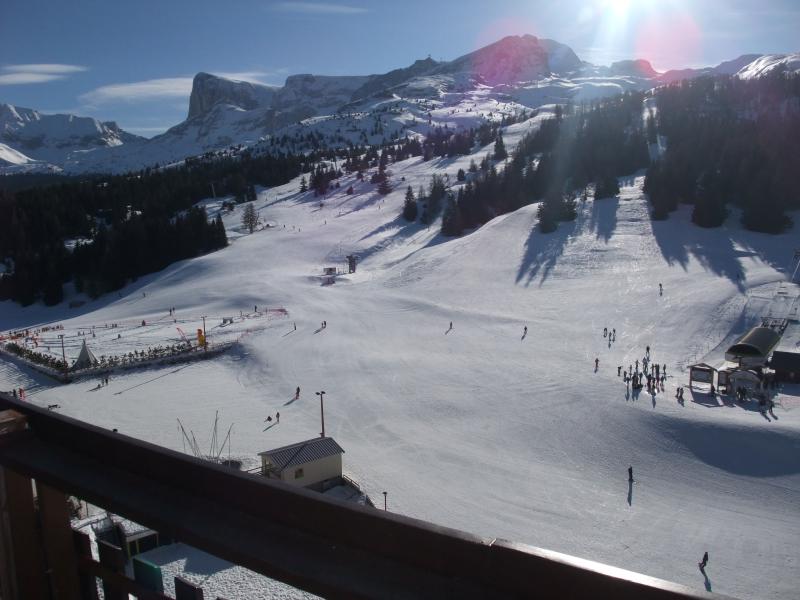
point(313, 542)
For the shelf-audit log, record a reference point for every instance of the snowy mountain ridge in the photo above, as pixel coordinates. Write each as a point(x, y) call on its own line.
point(53, 138)
point(528, 71)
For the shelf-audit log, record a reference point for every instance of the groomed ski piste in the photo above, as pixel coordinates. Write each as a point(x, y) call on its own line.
point(476, 427)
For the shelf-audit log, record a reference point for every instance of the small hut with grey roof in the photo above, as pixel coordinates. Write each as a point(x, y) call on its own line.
point(314, 464)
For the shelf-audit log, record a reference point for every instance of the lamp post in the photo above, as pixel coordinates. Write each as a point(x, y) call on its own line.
point(321, 395)
point(63, 354)
point(384, 500)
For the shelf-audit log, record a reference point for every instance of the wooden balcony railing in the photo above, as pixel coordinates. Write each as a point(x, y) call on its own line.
point(321, 545)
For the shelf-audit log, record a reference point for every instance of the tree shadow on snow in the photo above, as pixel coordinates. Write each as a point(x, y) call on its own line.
point(712, 248)
point(542, 251)
point(721, 250)
point(603, 217)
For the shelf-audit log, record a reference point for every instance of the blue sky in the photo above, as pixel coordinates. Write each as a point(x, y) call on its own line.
point(132, 62)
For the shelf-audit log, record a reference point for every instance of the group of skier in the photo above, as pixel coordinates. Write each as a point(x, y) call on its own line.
point(654, 374)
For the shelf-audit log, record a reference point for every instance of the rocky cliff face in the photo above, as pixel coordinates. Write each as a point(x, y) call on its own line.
point(318, 93)
point(633, 68)
point(209, 90)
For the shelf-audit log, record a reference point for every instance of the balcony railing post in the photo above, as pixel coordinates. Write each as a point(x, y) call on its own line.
point(83, 548)
point(59, 543)
point(186, 590)
point(21, 557)
point(113, 557)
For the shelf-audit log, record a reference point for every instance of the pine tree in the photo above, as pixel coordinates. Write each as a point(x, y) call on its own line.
point(220, 235)
point(410, 206)
point(500, 148)
point(303, 184)
point(547, 220)
point(606, 187)
point(461, 176)
point(384, 187)
point(250, 217)
point(451, 218)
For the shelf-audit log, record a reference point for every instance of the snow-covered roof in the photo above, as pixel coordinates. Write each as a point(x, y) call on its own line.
point(790, 339)
point(302, 452)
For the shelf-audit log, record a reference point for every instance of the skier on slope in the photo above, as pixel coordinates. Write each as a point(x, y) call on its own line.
point(630, 474)
point(605, 331)
point(297, 393)
point(596, 363)
point(702, 564)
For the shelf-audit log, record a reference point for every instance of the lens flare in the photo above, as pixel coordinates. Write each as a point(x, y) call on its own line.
point(670, 40)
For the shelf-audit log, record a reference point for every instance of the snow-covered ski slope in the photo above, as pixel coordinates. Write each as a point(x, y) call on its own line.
point(476, 427)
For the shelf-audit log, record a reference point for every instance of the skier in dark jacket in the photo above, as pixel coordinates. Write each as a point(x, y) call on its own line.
point(630, 474)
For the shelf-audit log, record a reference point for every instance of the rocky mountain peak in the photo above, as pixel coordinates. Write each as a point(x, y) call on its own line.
point(209, 90)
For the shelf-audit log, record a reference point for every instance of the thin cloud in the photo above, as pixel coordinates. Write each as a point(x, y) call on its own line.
point(36, 73)
point(318, 8)
point(249, 76)
point(137, 91)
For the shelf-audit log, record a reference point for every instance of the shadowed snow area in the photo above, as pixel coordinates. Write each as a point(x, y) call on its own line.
point(479, 427)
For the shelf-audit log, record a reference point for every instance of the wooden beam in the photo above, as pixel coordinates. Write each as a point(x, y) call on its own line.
point(23, 567)
point(83, 550)
point(112, 558)
point(59, 543)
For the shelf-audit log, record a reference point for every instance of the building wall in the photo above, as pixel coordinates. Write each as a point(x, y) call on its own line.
point(314, 472)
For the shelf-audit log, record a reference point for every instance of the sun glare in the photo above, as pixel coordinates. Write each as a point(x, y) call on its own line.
point(618, 7)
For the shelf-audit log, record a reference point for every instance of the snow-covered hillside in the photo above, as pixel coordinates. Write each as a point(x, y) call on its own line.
point(478, 426)
point(764, 65)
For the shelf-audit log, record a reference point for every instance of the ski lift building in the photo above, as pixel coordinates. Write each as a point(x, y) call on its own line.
point(314, 464)
point(786, 357)
point(753, 349)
